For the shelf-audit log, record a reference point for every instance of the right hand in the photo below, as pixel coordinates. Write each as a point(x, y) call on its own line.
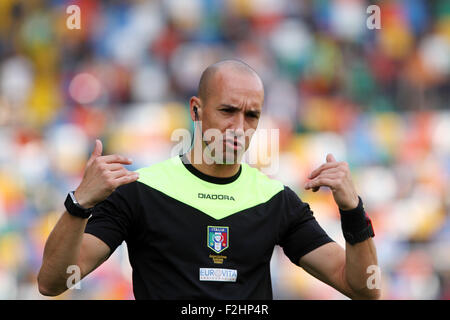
point(103, 174)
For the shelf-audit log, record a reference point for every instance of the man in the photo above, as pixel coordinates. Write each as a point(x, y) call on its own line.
point(206, 227)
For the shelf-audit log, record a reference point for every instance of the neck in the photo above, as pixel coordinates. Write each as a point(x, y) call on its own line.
point(212, 169)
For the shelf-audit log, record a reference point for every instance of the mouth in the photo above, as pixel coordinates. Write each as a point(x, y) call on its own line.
point(234, 144)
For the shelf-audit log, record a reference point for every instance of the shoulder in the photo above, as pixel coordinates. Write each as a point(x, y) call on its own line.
point(263, 181)
point(160, 167)
point(256, 179)
point(291, 201)
point(161, 171)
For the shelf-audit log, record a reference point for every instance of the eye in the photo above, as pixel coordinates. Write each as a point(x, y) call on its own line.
point(253, 115)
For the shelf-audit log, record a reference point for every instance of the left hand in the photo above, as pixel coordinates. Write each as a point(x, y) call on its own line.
point(336, 176)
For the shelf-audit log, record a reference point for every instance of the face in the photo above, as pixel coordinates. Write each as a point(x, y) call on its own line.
point(232, 108)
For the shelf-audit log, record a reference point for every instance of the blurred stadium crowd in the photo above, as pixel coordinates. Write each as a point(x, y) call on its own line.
point(378, 99)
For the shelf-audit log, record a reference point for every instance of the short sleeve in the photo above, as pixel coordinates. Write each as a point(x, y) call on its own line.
point(113, 218)
point(300, 233)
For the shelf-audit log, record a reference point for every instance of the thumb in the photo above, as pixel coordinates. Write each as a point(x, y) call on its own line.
point(330, 158)
point(97, 149)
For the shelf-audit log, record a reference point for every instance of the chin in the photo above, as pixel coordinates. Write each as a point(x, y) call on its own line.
point(233, 158)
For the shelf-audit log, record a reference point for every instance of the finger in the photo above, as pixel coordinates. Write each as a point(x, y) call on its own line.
point(115, 158)
point(315, 189)
point(98, 148)
point(324, 166)
point(133, 176)
point(97, 152)
point(335, 169)
point(330, 158)
point(114, 167)
point(321, 182)
point(324, 180)
point(119, 173)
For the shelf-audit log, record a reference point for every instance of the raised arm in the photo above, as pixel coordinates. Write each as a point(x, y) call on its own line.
point(67, 244)
point(352, 270)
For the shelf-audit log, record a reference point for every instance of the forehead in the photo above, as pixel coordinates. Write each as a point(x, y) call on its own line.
point(237, 86)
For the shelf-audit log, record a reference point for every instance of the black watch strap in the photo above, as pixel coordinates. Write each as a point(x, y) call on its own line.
point(75, 209)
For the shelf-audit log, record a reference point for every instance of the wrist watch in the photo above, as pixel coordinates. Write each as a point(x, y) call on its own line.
point(75, 209)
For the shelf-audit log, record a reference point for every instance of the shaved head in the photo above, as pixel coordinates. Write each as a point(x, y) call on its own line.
point(206, 84)
point(230, 99)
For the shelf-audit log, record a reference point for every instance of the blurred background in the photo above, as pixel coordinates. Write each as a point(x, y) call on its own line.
point(378, 99)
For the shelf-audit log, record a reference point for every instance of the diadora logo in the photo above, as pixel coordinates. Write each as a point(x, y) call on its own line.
point(218, 238)
point(215, 196)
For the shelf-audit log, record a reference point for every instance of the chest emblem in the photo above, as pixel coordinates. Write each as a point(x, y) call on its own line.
point(218, 238)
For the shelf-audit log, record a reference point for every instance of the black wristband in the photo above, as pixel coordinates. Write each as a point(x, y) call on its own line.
point(75, 209)
point(356, 224)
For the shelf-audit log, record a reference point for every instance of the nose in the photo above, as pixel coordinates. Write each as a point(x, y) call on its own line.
point(236, 130)
point(238, 124)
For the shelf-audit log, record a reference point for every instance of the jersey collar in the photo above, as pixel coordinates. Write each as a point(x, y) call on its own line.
point(206, 177)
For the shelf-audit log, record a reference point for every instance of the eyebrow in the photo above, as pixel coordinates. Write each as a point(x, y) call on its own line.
point(229, 106)
point(234, 108)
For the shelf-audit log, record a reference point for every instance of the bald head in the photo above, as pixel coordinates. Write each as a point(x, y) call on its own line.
point(207, 80)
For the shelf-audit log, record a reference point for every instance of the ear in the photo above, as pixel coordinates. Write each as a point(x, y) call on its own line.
point(195, 106)
point(195, 112)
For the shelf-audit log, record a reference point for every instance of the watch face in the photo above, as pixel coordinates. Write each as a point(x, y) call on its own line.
point(73, 197)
